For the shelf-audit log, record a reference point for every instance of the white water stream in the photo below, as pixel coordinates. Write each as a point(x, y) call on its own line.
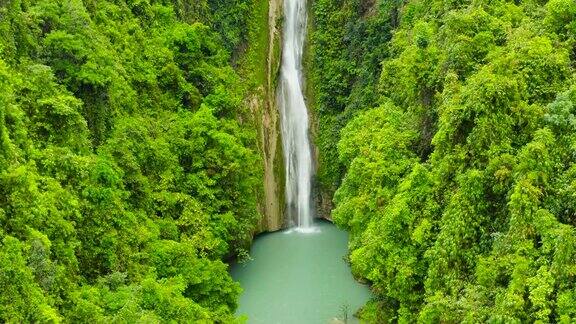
point(295, 277)
point(294, 118)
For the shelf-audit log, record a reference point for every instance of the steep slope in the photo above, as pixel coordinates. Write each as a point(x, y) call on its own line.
point(261, 68)
point(457, 182)
point(129, 157)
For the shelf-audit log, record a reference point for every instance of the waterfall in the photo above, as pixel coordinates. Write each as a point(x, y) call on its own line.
point(294, 118)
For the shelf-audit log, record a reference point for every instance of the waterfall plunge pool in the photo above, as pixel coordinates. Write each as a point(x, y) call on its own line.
point(299, 278)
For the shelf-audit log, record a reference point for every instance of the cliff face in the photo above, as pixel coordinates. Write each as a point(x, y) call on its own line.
point(262, 102)
point(270, 130)
point(337, 31)
point(321, 192)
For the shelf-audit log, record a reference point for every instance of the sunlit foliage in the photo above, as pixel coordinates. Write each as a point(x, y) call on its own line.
point(125, 175)
point(458, 187)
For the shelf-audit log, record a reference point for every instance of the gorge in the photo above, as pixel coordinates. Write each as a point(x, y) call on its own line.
point(298, 275)
point(169, 161)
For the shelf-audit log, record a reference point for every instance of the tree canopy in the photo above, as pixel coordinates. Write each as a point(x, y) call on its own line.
point(126, 174)
point(457, 181)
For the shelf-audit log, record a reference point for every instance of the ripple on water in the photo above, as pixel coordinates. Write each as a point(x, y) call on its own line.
point(303, 230)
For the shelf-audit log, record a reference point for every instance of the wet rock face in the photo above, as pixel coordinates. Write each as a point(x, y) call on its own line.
point(270, 203)
point(263, 107)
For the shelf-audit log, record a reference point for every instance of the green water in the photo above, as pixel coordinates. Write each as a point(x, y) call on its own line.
point(297, 278)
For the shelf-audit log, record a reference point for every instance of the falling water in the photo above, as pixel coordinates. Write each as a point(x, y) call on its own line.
point(297, 150)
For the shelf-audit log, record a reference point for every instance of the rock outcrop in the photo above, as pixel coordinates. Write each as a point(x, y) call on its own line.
point(264, 109)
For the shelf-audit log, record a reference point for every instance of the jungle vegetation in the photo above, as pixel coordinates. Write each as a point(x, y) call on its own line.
point(129, 169)
point(126, 173)
point(447, 129)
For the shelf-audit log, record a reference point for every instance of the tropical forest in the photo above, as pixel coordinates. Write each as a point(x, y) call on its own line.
point(288, 161)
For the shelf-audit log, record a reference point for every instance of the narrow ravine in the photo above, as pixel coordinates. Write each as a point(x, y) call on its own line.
point(298, 275)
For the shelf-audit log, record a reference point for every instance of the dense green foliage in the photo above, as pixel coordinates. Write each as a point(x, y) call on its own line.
point(125, 175)
point(348, 42)
point(459, 189)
